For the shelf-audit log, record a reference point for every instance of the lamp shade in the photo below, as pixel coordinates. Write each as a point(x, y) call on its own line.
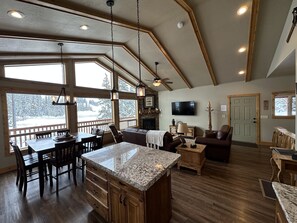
point(182, 128)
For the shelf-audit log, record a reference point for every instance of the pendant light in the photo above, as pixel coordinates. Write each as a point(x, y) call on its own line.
point(114, 94)
point(62, 98)
point(140, 89)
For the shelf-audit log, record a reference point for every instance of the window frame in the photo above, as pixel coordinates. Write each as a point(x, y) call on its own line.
point(287, 94)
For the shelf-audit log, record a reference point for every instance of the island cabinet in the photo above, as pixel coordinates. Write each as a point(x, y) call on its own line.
point(118, 202)
point(128, 183)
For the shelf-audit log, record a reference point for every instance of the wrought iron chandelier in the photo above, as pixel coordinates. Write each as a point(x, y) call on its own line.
point(114, 94)
point(62, 98)
point(140, 89)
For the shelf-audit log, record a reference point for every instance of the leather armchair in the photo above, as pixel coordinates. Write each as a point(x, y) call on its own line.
point(218, 143)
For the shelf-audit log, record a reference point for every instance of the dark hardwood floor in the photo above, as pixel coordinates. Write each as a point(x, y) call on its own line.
point(224, 193)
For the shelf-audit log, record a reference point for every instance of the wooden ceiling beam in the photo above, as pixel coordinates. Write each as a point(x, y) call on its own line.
point(252, 39)
point(198, 34)
point(95, 15)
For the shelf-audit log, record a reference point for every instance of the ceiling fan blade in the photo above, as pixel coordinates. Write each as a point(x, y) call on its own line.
point(168, 82)
point(164, 79)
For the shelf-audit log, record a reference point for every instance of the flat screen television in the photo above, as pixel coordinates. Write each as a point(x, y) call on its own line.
point(183, 108)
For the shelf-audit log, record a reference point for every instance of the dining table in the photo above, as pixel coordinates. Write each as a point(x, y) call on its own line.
point(47, 145)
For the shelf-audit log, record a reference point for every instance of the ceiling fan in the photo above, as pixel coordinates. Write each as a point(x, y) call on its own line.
point(158, 81)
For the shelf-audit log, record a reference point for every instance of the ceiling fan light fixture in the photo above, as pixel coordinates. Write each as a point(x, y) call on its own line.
point(157, 83)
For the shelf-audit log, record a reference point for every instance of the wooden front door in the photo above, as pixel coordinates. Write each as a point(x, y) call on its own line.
point(243, 118)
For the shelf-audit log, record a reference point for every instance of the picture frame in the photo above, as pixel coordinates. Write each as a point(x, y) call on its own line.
point(149, 101)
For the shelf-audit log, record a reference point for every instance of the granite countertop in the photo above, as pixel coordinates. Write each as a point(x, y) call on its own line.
point(135, 165)
point(287, 197)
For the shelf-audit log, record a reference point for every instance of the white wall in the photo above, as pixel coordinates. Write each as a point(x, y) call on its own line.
point(218, 95)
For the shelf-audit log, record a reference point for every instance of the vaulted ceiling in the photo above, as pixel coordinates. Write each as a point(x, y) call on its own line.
point(203, 52)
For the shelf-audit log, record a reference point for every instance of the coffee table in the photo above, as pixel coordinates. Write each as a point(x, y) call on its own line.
point(192, 158)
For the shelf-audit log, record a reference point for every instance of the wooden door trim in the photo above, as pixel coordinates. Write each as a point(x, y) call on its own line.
point(257, 95)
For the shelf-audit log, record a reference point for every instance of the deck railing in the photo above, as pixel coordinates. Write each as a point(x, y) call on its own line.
point(21, 135)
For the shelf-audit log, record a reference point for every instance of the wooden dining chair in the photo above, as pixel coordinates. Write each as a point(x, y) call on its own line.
point(117, 135)
point(87, 145)
point(64, 155)
point(41, 135)
point(27, 168)
point(100, 134)
point(62, 131)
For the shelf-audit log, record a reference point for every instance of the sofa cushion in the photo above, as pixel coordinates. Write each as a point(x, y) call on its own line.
point(221, 135)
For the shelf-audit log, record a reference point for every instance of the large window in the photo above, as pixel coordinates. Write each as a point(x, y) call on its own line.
point(125, 86)
point(128, 113)
point(30, 113)
point(284, 104)
point(92, 75)
point(49, 73)
point(90, 109)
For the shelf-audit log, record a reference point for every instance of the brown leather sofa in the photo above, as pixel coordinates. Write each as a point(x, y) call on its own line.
point(218, 143)
point(138, 136)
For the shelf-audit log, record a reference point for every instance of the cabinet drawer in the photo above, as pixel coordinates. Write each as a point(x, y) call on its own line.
point(123, 186)
point(98, 180)
point(98, 192)
point(100, 208)
point(96, 171)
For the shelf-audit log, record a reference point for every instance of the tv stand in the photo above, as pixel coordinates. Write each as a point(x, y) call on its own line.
point(190, 134)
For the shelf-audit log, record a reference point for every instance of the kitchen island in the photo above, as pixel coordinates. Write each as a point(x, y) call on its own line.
point(130, 183)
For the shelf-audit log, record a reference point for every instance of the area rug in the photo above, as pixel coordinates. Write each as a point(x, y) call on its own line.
point(267, 190)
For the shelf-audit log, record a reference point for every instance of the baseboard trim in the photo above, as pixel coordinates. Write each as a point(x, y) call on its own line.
point(7, 169)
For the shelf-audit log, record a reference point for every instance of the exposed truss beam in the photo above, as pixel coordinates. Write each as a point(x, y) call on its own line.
point(195, 26)
point(252, 39)
point(95, 15)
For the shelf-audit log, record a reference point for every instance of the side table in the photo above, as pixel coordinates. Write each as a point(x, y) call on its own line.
point(192, 158)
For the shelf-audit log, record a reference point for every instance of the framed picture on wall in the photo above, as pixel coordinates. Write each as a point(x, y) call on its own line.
point(149, 101)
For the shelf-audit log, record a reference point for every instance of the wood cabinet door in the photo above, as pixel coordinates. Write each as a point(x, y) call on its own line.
point(116, 208)
point(134, 209)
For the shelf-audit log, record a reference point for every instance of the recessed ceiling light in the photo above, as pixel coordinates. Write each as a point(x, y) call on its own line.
point(242, 72)
point(16, 14)
point(84, 27)
point(242, 10)
point(242, 49)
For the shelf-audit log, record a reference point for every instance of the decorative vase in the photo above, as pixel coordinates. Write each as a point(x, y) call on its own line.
point(173, 122)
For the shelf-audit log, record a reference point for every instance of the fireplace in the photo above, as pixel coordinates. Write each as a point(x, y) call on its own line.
point(149, 123)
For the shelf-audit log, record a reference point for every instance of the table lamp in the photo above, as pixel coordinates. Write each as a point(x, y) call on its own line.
point(182, 129)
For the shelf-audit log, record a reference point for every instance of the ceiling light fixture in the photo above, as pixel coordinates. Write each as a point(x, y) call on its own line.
point(242, 49)
point(16, 14)
point(84, 27)
point(157, 81)
point(140, 89)
point(114, 94)
point(242, 10)
point(62, 98)
point(242, 72)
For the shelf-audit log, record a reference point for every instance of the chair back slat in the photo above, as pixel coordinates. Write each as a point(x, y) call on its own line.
point(62, 132)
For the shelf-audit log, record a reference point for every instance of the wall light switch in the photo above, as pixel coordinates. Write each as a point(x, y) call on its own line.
point(264, 116)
